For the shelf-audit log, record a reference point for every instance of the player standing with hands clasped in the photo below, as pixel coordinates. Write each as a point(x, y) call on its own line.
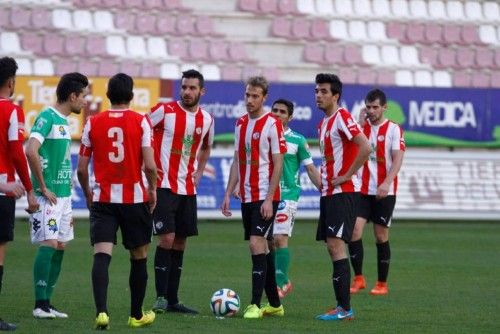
point(344, 149)
point(183, 136)
point(297, 154)
point(257, 166)
point(379, 184)
point(120, 142)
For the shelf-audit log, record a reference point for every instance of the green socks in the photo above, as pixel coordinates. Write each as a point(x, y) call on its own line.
point(282, 265)
point(41, 271)
point(55, 269)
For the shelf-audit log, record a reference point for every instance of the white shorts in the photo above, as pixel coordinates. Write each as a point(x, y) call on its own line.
point(285, 217)
point(52, 222)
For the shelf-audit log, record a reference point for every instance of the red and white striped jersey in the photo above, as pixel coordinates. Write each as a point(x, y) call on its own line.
point(338, 151)
point(384, 139)
point(11, 129)
point(115, 139)
point(256, 140)
point(178, 137)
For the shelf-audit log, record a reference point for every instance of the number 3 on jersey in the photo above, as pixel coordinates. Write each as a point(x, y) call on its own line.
point(116, 134)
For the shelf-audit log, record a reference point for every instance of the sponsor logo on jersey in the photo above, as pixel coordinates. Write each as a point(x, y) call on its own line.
point(281, 218)
point(62, 131)
point(35, 225)
point(52, 224)
point(281, 205)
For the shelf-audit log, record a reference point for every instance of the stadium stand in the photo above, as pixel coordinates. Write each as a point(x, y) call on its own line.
point(440, 43)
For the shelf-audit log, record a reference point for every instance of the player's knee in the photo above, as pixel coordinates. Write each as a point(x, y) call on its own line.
point(166, 240)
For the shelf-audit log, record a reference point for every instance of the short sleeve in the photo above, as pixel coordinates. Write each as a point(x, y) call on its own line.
point(42, 127)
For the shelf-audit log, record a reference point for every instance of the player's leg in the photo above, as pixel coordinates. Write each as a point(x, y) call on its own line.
point(274, 307)
point(44, 228)
point(356, 254)
point(283, 227)
point(382, 219)
point(186, 225)
point(136, 229)
point(163, 227)
point(7, 212)
point(337, 214)
point(65, 234)
point(103, 227)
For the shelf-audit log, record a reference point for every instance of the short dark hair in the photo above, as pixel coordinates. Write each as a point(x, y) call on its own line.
point(70, 83)
point(375, 94)
point(194, 74)
point(287, 103)
point(120, 89)
point(8, 69)
point(259, 81)
point(333, 80)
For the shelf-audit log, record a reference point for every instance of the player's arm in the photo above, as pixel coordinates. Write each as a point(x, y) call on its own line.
point(231, 185)
point(204, 154)
point(313, 174)
point(266, 210)
point(36, 168)
point(397, 161)
point(150, 171)
point(363, 152)
point(82, 172)
point(21, 164)
point(15, 188)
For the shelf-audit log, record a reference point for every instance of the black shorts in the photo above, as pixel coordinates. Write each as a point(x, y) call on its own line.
point(337, 216)
point(379, 211)
point(253, 223)
point(8, 215)
point(134, 220)
point(175, 213)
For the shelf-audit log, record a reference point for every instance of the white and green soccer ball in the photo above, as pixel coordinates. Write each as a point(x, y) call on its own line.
point(224, 303)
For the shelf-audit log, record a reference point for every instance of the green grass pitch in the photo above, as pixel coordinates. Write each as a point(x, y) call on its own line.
point(444, 278)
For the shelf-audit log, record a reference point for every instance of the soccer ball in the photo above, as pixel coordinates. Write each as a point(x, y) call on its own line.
point(224, 303)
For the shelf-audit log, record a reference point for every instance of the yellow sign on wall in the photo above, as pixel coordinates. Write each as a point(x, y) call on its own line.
point(34, 94)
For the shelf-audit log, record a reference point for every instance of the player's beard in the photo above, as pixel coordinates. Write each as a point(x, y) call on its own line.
point(191, 104)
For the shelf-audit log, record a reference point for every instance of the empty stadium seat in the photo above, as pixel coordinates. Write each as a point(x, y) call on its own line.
point(469, 35)
point(415, 33)
point(451, 33)
point(204, 26)
point(367, 76)
point(185, 25)
point(150, 70)
point(480, 80)
point(248, 5)
point(156, 47)
point(400, 8)
point(324, 7)
point(352, 55)
point(136, 47)
point(108, 68)
point(53, 44)
point(455, 10)
point(433, 33)
point(389, 54)
point(165, 25)
point(281, 27)
point(61, 19)
point(491, 10)
point(334, 54)
point(461, 79)
point(382, 9)
point(96, 46)
point(418, 9)
point(306, 6)
point(473, 10)
point(24, 66)
point(198, 49)
point(20, 18)
point(189, 66)
point(125, 21)
point(371, 54)
point(153, 4)
point(348, 75)
point(437, 9)
point(338, 29)
point(43, 67)
point(32, 41)
point(404, 78)
point(287, 7)
point(320, 30)
point(170, 71)
point(386, 77)
point(177, 47)
point(446, 58)
point(343, 8)
point(74, 45)
point(115, 46)
point(441, 79)
point(88, 67)
point(82, 20)
point(495, 79)
point(409, 55)
point(484, 58)
point(210, 72)
point(130, 67)
point(314, 53)
point(103, 21)
point(429, 55)
point(41, 18)
point(231, 73)
point(422, 78)
point(376, 31)
point(300, 28)
point(363, 8)
point(217, 50)
point(237, 51)
point(396, 30)
point(465, 58)
point(145, 23)
point(488, 34)
point(267, 7)
point(64, 66)
point(357, 30)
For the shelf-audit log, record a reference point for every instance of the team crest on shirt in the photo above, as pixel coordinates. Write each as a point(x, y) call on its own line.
point(40, 123)
point(62, 131)
point(158, 225)
point(198, 131)
point(52, 224)
point(256, 135)
point(380, 138)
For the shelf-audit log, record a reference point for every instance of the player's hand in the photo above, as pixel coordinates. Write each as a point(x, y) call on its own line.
point(49, 195)
point(33, 205)
point(197, 177)
point(236, 193)
point(88, 199)
point(382, 191)
point(152, 200)
point(224, 207)
point(266, 209)
point(339, 180)
point(14, 188)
